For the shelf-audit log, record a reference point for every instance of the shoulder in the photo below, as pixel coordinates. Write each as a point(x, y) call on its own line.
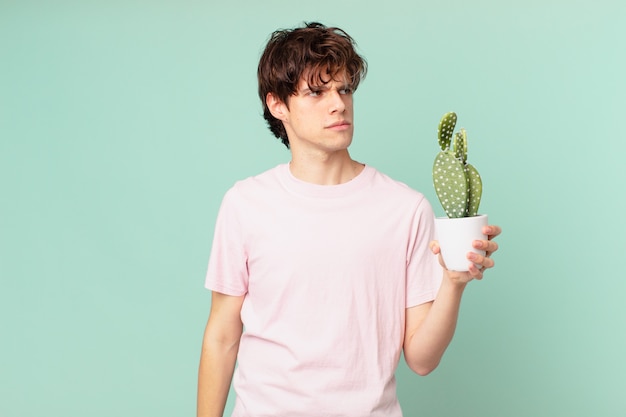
point(397, 190)
point(266, 179)
point(255, 187)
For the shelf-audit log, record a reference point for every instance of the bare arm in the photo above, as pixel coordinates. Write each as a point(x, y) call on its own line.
point(430, 326)
point(219, 354)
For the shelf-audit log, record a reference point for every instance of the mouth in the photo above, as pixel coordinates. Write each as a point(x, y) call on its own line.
point(340, 125)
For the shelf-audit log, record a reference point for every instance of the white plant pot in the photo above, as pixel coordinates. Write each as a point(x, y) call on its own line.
point(455, 239)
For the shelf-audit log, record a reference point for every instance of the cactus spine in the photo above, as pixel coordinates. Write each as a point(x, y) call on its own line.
point(457, 183)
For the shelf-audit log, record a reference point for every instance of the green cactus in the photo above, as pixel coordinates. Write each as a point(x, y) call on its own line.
point(457, 183)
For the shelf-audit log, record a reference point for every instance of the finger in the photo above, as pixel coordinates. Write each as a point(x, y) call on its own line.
point(488, 246)
point(442, 262)
point(491, 248)
point(492, 231)
point(484, 261)
point(434, 247)
point(475, 272)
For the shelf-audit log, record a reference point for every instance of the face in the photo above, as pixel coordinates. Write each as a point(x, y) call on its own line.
point(317, 118)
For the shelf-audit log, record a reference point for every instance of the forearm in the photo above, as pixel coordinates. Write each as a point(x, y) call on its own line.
point(217, 364)
point(425, 347)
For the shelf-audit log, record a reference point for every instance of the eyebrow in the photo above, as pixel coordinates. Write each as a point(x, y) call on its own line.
point(324, 87)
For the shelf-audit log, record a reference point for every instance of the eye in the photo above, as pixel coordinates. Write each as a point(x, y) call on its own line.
point(345, 91)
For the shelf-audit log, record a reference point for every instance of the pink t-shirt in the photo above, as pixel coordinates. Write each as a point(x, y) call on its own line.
point(327, 272)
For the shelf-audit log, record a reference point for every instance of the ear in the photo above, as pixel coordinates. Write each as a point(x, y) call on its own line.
point(276, 106)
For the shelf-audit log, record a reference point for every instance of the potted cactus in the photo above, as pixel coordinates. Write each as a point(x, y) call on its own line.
point(459, 189)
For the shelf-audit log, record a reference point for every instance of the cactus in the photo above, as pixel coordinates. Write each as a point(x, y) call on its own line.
point(457, 183)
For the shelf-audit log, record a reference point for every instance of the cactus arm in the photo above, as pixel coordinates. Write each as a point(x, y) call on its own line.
point(475, 190)
point(450, 184)
point(445, 130)
point(460, 146)
point(462, 152)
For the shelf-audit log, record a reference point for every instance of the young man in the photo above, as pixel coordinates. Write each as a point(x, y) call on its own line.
point(328, 264)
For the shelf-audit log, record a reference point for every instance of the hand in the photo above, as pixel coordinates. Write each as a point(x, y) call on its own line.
point(484, 262)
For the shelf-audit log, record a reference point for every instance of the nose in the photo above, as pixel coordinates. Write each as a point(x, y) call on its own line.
point(337, 103)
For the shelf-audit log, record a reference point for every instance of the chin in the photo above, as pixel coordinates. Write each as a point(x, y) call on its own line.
point(339, 144)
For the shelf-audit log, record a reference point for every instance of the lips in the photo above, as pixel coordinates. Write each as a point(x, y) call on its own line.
point(339, 124)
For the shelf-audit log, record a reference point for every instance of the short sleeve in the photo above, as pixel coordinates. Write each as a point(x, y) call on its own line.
point(424, 273)
point(227, 271)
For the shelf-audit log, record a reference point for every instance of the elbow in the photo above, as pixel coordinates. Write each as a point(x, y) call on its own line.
point(423, 369)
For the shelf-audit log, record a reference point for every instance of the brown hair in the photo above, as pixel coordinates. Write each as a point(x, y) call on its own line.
point(319, 51)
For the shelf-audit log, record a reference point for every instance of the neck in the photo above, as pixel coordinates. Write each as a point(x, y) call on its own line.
point(326, 169)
